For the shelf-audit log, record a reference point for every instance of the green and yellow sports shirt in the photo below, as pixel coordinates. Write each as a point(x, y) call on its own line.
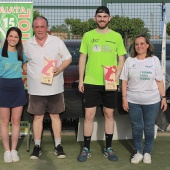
point(102, 50)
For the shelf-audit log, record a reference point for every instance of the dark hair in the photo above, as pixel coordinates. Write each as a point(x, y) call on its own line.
point(19, 46)
point(150, 50)
point(41, 18)
point(102, 9)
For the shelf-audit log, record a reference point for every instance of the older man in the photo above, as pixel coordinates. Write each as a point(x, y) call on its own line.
point(43, 97)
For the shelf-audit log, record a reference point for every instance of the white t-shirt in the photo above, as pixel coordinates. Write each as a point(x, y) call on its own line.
point(55, 49)
point(141, 76)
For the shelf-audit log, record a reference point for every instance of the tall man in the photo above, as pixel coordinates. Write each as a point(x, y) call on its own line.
point(102, 46)
point(40, 49)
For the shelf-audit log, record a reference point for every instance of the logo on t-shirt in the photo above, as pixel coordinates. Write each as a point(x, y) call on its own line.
point(111, 42)
point(94, 40)
point(96, 48)
point(149, 66)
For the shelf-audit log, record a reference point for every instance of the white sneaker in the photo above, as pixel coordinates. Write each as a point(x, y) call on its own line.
point(7, 156)
point(137, 158)
point(147, 158)
point(14, 155)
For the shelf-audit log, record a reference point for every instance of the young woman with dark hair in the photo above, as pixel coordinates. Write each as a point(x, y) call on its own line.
point(12, 94)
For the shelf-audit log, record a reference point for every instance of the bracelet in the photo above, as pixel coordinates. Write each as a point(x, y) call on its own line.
point(124, 96)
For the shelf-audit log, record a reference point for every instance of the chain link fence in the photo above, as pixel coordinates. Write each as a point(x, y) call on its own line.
point(70, 19)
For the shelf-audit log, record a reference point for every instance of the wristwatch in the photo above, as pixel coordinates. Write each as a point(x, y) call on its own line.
point(163, 97)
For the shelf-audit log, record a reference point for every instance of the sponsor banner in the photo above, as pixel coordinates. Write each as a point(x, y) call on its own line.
point(16, 14)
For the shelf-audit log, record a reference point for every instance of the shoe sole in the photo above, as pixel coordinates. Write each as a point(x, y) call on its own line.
point(146, 162)
point(60, 156)
point(15, 160)
point(136, 162)
point(84, 160)
point(108, 158)
point(35, 157)
point(8, 161)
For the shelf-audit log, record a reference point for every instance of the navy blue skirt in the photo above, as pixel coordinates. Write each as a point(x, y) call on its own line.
point(12, 93)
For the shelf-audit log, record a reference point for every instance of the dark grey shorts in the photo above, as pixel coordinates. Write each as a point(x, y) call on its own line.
point(53, 104)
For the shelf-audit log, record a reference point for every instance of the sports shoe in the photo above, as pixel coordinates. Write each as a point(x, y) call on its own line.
point(137, 158)
point(14, 155)
point(85, 153)
point(36, 152)
point(58, 151)
point(147, 158)
point(7, 156)
point(109, 153)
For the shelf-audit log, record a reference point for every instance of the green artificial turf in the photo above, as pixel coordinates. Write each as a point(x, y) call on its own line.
point(123, 149)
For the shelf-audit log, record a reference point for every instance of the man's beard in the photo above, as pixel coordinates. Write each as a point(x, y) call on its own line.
point(103, 26)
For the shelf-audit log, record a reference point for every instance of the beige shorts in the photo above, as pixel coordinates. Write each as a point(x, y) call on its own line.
point(53, 104)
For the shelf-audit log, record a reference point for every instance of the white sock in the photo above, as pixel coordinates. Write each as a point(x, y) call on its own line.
point(57, 141)
point(37, 142)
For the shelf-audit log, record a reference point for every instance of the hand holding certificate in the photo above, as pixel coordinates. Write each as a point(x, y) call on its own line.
point(109, 77)
point(47, 71)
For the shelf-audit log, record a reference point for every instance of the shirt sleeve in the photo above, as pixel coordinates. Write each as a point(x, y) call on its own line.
point(121, 48)
point(159, 74)
point(64, 51)
point(83, 46)
point(125, 71)
point(24, 59)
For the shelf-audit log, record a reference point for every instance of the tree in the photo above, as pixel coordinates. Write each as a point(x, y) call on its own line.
point(127, 27)
point(76, 26)
point(36, 13)
point(60, 28)
point(168, 28)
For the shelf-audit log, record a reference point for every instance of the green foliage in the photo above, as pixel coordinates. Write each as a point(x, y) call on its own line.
point(60, 28)
point(168, 28)
point(77, 27)
point(91, 24)
point(127, 27)
point(36, 13)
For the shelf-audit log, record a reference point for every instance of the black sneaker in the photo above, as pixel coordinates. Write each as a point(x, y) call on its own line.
point(36, 152)
point(58, 151)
